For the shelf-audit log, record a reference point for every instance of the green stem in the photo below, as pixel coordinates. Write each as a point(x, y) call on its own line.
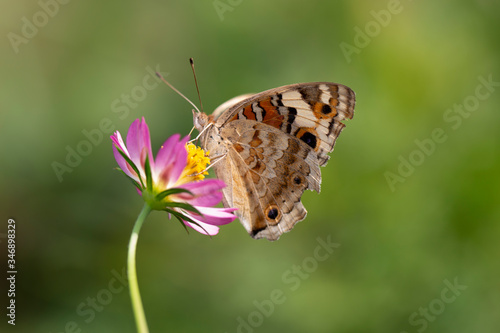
point(135, 295)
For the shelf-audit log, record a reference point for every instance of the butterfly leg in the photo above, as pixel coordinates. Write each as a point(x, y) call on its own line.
point(199, 134)
point(219, 158)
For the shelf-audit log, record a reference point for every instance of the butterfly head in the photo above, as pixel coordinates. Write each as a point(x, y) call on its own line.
point(200, 120)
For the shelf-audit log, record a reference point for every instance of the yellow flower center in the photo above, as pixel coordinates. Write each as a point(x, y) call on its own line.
point(197, 162)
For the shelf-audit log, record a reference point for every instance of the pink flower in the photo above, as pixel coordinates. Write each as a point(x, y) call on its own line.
point(174, 180)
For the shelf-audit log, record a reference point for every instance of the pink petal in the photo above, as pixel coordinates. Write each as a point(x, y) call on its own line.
point(164, 156)
point(215, 216)
point(118, 142)
point(139, 143)
point(180, 159)
point(209, 229)
point(206, 192)
point(171, 160)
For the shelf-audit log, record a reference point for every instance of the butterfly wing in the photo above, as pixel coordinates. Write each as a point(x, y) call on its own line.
point(229, 104)
point(266, 173)
point(274, 143)
point(312, 112)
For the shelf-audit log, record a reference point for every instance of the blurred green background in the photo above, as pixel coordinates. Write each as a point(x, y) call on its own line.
point(409, 221)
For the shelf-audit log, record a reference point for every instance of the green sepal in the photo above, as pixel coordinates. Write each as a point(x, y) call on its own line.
point(132, 165)
point(160, 196)
point(178, 219)
point(184, 206)
point(136, 184)
point(149, 177)
point(181, 217)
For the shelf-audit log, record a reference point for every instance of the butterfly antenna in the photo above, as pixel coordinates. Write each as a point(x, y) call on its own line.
point(191, 61)
point(177, 91)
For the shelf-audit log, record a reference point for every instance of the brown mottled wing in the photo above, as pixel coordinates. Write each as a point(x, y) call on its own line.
point(311, 112)
point(266, 173)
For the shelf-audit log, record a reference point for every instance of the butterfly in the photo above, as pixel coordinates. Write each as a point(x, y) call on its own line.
point(268, 149)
